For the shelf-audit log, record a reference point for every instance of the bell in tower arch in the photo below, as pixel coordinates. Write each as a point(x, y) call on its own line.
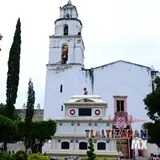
point(64, 55)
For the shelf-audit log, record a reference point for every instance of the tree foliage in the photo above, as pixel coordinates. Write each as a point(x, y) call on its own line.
point(90, 153)
point(30, 102)
point(3, 112)
point(13, 72)
point(2, 109)
point(41, 133)
point(153, 132)
point(152, 102)
point(29, 115)
point(21, 155)
point(8, 129)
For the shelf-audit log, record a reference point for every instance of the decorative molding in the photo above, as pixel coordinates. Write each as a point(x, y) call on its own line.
point(59, 141)
point(108, 140)
point(71, 140)
point(107, 124)
point(78, 124)
point(60, 124)
point(77, 140)
point(97, 112)
point(89, 124)
point(72, 112)
point(95, 141)
point(81, 105)
point(72, 123)
point(95, 124)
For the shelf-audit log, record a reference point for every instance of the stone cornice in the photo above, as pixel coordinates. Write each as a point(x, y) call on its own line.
point(61, 65)
point(98, 120)
point(83, 104)
point(66, 36)
point(72, 136)
point(78, 136)
point(67, 19)
point(83, 153)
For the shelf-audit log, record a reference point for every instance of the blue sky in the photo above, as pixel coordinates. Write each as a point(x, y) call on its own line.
point(112, 30)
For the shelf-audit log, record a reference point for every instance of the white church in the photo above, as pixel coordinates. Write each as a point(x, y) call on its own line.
point(123, 85)
point(66, 74)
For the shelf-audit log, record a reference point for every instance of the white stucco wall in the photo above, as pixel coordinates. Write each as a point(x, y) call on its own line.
point(77, 127)
point(117, 79)
point(75, 49)
point(67, 131)
point(73, 29)
point(75, 146)
point(124, 79)
point(71, 78)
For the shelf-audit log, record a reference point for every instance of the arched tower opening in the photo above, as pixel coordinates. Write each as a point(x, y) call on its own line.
point(65, 31)
point(64, 55)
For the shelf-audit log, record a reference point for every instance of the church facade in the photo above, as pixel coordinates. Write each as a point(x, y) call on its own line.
point(85, 117)
point(66, 74)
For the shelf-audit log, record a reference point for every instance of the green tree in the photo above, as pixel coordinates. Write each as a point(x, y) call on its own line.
point(3, 112)
point(152, 102)
point(13, 72)
point(29, 115)
point(2, 109)
point(8, 129)
point(90, 153)
point(41, 133)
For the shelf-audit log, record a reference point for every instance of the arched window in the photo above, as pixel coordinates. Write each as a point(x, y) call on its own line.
point(64, 55)
point(82, 146)
point(101, 146)
point(65, 32)
point(65, 145)
point(67, 15)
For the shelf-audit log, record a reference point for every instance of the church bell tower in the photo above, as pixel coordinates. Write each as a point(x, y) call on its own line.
point(66, 45)
point(64, 75)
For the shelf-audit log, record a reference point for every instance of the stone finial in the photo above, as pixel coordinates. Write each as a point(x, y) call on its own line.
point(24, 106)
point(1, 37)
point(69, 2)
point(85, 91)
point(38, 106)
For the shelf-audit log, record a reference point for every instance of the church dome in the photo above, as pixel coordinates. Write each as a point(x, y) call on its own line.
point(69, 6)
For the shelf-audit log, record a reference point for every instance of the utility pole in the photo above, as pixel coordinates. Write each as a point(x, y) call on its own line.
point(1, 39)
